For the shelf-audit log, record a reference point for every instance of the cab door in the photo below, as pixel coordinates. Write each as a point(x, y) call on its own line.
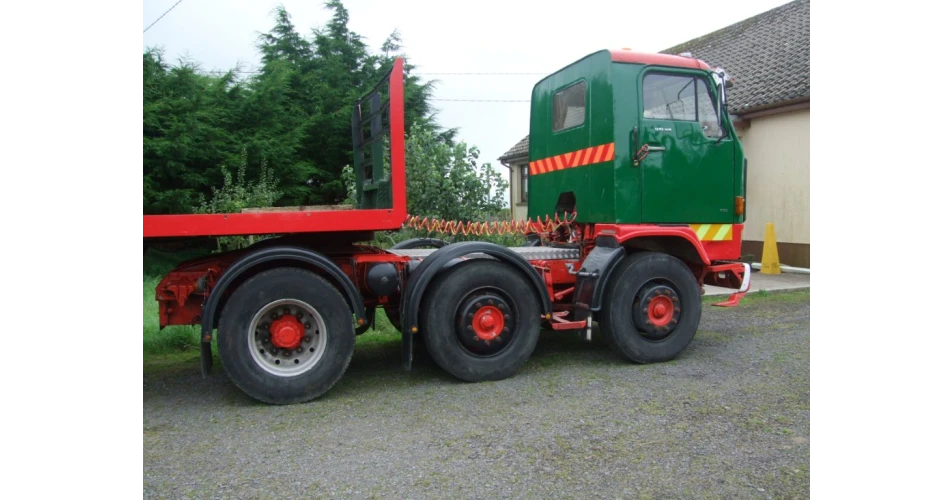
point(688, 167)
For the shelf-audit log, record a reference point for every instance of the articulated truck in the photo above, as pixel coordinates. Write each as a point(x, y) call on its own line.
point(636, 202)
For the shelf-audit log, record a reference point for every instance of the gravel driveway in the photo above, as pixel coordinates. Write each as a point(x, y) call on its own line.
point(728, 419)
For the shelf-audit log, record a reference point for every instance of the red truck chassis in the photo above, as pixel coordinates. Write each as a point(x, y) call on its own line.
point(573, 277)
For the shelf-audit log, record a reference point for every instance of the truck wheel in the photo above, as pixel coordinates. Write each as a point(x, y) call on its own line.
point(481, 320)
point(653, 308)
point(286, 336)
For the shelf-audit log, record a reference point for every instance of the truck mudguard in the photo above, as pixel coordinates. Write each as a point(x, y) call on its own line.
point(419, 243)
point(270, 254)
point(592, 278)
point(435, 262)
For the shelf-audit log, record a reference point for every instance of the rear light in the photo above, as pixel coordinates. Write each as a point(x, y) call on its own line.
point(738, 205)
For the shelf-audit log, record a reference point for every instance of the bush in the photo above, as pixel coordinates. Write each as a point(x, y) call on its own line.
point(236, 195)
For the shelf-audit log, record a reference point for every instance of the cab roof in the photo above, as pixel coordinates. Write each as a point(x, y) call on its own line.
point(628, 56)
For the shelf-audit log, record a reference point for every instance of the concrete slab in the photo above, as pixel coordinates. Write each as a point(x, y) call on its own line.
point(769, 282)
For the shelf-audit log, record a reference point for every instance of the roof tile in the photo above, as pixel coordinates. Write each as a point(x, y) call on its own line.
point(521, 149)
point(768, 56)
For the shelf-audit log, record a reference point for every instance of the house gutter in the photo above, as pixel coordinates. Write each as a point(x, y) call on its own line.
point(774, 108)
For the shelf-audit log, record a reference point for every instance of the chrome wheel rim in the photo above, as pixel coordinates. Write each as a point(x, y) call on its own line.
point(287, 337)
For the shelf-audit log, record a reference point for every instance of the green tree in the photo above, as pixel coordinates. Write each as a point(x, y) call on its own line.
point(293, 114)
point(446, 180)
point(186, 132)
point(237, 193)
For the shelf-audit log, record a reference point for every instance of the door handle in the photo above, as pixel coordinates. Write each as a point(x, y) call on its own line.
point(643, 152)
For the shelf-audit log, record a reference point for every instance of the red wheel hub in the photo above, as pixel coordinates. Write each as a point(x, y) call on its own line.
point(286, 332)
point(660, 310)
point(488, 322)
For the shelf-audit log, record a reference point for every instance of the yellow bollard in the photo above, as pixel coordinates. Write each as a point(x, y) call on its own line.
point(770, 262)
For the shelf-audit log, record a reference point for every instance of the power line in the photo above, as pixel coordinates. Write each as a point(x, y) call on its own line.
point(482, 100)
point(493, 74)
point(444, 73)
point(160, 17)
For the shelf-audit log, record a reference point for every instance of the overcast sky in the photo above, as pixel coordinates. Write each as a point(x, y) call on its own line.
point(446, 36)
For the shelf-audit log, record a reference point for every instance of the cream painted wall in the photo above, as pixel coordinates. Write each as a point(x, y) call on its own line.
point(778, 171)
point(519, 210)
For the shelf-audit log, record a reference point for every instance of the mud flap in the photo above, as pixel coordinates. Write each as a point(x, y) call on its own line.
point(206, 359)
point(407, 350)
point(592, 278)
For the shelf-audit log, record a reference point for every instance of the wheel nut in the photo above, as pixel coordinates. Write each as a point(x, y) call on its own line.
point(274, 315)
point(505, 329)
point(479, 304)
point(307, 339)
point(490, 301)
point(307, 325)
point(469, 327)
point(475, 338)
point(505, 316)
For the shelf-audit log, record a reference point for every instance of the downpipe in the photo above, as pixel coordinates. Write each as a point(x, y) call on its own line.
point(785, 269)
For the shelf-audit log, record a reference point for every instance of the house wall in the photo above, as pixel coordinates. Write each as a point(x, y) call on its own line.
point(518, 206)
point(778, 185)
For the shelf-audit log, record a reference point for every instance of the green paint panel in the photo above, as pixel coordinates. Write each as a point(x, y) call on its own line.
point(592, 184)
point(694, 179)
point(691, 179)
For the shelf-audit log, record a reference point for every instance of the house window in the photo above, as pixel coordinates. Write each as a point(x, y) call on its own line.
point(524, 180)
point(568, 107)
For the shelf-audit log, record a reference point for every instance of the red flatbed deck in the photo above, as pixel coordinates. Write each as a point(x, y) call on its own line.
point(277, 222)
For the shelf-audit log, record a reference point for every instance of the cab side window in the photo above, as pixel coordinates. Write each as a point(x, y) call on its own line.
point(680, 98)
point(568, 107)
point(707, 113)
point(669, 97)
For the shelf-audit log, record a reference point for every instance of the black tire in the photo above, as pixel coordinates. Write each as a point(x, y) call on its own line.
point(447, 327)
point(328, 347)
point(643, 278)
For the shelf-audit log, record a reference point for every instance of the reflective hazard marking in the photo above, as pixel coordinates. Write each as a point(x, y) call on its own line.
point(713, 232)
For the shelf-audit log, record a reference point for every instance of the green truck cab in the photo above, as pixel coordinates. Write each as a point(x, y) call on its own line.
point(631, 138)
